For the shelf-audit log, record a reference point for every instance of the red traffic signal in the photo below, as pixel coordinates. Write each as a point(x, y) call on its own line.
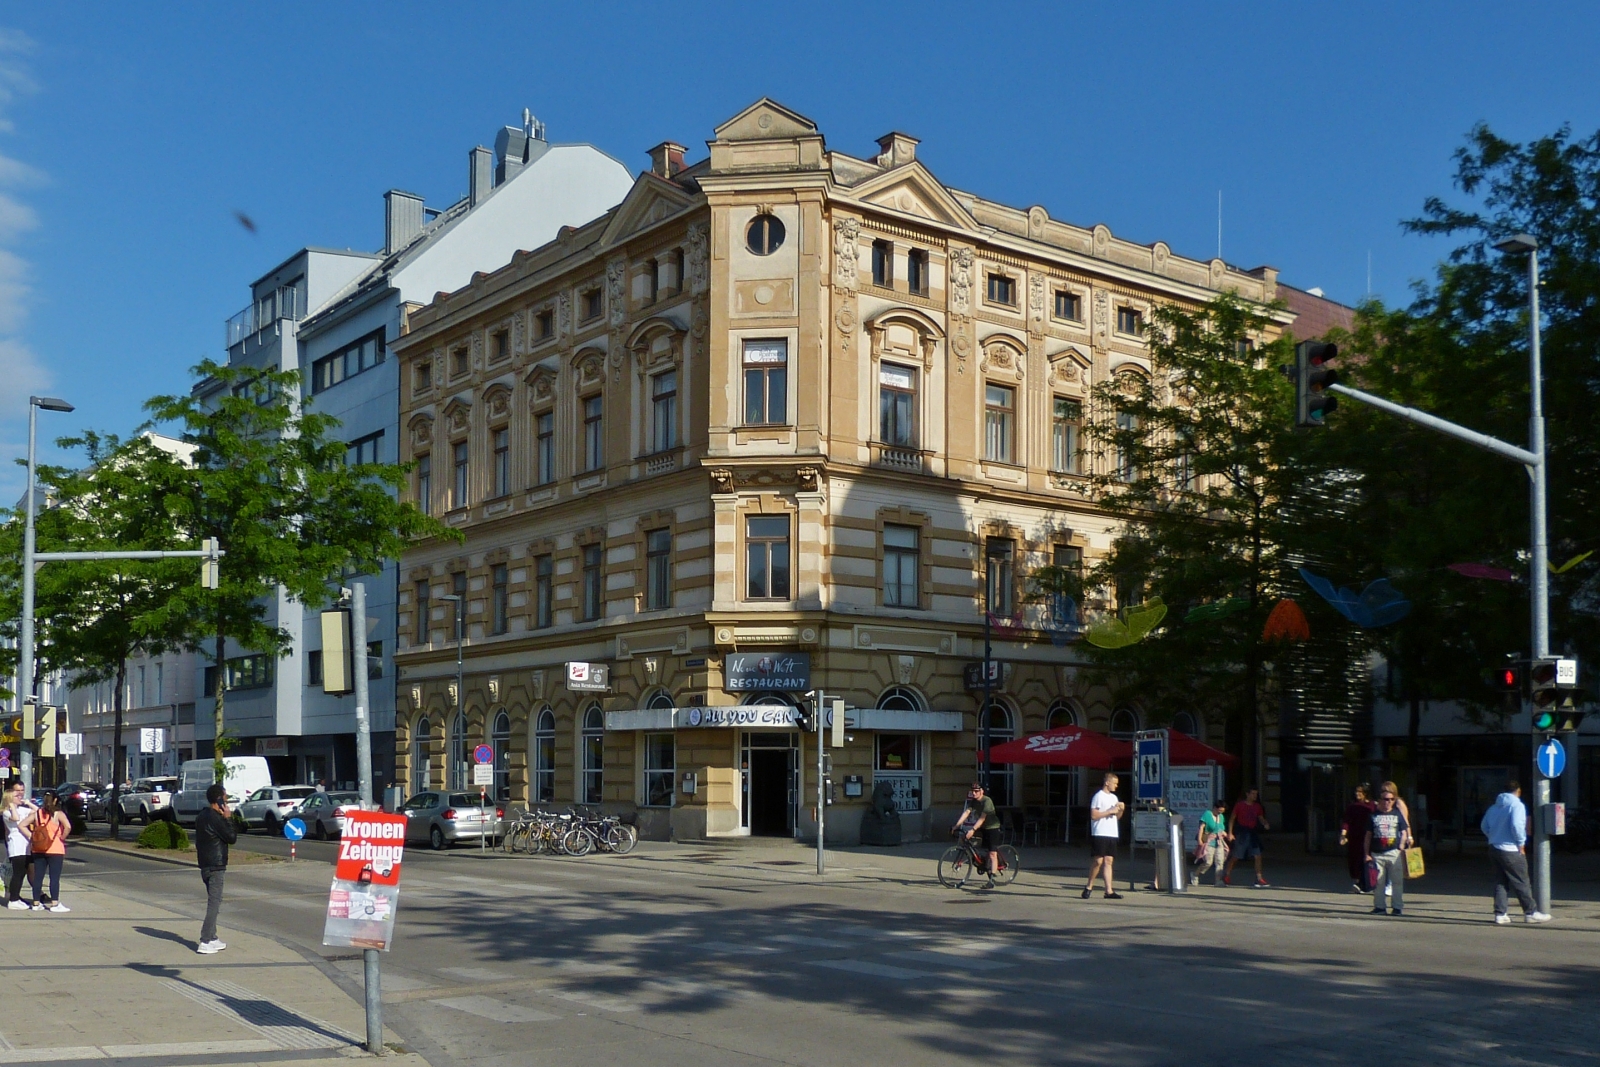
point(1506, 679)
point(1312, 378)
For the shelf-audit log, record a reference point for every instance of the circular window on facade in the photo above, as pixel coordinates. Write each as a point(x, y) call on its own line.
point(765, 235)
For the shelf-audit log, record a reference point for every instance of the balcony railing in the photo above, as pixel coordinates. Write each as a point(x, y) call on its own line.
point(285, 302)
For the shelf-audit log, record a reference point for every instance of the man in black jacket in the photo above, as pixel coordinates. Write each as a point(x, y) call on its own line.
point(213, 833)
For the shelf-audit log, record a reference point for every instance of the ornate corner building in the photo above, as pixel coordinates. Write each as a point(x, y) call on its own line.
point(782, 420)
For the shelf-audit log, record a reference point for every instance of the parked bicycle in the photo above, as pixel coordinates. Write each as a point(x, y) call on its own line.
point(569, 833)
point(966, 859)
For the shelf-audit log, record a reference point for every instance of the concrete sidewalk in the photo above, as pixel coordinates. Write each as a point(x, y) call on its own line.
point(119, 980)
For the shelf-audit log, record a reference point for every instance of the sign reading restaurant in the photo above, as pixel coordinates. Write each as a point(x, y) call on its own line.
point(774, 672)
point(588, 677)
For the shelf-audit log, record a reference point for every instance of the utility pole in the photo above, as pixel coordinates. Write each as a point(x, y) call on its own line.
point(25, 679)
point(358, 655)
point(818, 715)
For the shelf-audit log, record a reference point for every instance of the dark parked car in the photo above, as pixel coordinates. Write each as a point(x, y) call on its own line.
point(81, 800)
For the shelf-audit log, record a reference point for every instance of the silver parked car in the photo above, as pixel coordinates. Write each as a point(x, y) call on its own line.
point(323, 813)
point(269, 808)
point(441, 819)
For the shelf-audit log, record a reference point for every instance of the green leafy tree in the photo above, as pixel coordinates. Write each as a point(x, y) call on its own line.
point(274, 488)
point(92, 616)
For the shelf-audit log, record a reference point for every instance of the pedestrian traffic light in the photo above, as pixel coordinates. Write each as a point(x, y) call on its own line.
point(1506, 679)
point(1312, 377)
point(803, 717)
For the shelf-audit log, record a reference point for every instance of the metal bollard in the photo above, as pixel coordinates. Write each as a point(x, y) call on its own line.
point(1177, 876)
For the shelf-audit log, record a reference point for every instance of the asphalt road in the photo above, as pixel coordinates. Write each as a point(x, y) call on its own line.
point(726, 955)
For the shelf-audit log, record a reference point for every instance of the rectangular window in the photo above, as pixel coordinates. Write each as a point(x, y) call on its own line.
point(543, 574)
point(250, 672)
point(1002, 290)
point(425, 483)
point(883, 264)
point(144, 689)
point(459, 497)
point(1130, 321)
point(767, 557)
point(652, 281)
point(901, 570)
point(999, 561)
point(1065, 418)
point(917, 272)
point(424, 607)
point(592, 605)
point(1068, 306)
point(502, 461)
point(424, 377)
point(897, 405)
point(500, 599)
point(1127, 423)
point(766, 383)
point(1067, 558)
point(594, 446)
point(161, 683)
point(368, 449)
point(660, 770)
point(658, 569)
point(374, 659)
point(544, 325)
point(545, 447)
point(1184, 462)
point(500, 345)
point(314, 667)
point(594, 304)
point(348, 362)
point(999, 411)
point(459, 363)
point(664, 411)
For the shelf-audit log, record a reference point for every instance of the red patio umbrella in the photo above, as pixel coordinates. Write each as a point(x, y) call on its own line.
point(1185, 751)
point(1066, 746)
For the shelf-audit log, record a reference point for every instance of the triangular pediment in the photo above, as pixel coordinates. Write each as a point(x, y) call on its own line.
point(766, 120)
point(651, 199)
point(911, 190)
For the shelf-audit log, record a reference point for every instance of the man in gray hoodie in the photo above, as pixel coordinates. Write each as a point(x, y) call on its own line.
point(1505, 824)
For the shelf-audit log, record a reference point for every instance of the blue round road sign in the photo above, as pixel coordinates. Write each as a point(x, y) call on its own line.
point(294, 829)
point(483, 754)
point(1552, 758)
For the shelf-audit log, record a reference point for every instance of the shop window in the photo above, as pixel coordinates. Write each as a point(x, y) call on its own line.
point(899, 762)
point(594, 748)
point(997, 720)
point(660, 770)
point(544, 757)
point(1061, 783)
point(500, 741)
point(456, 754)
point(421, 755)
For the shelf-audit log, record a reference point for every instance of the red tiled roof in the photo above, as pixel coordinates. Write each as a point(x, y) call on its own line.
point(1314, 315)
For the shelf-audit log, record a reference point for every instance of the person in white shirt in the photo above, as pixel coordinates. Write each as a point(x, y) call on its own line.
point(1104, 811)
point(18, 816)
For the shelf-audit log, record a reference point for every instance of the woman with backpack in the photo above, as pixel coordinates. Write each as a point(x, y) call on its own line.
point(49, 840)
point(17, 817)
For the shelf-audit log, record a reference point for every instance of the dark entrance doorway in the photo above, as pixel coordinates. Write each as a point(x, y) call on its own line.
point(770, 771)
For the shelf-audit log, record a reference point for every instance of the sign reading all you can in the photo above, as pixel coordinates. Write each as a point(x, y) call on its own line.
point(752, 672)
point(366, 881)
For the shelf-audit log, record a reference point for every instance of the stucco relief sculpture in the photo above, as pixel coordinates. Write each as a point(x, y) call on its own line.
point(1036, 303)
point(564, 314)
point(616, 291)
point(845, 252)
point(695, 261)
point(961, 281)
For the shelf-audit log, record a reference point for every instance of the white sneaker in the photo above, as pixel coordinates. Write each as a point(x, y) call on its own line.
point(59, 908)
point(1502, 920)
point(210, 948)
point(1538, 917)
point(18, 905)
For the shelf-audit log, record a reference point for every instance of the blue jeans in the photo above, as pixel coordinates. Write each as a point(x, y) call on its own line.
point(43, 862)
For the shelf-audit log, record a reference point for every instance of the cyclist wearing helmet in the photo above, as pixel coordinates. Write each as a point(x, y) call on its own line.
point(980, 812)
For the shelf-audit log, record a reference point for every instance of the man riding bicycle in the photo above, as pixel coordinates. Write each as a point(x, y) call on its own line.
point(980, 810)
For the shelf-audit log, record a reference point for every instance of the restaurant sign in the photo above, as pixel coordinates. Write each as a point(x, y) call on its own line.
point(753, 716)
point(756, 672)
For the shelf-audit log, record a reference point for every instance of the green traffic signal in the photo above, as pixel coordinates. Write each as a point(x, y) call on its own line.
point(1544, 720)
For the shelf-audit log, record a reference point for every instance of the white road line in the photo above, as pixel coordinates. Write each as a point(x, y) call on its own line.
point(497, 1010)
point(596, 1000)
point(877, 970)
point(107, 1052)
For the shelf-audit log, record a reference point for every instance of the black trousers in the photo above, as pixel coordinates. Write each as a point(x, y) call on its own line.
point(19, 871)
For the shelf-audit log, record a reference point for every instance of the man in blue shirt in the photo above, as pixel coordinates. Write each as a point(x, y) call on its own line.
point(1505, 824)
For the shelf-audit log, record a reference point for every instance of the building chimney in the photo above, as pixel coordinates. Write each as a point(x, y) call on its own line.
point(515, 147)
point(402, 220)
point(896, 148)
point(480, 174)
point(666, 159)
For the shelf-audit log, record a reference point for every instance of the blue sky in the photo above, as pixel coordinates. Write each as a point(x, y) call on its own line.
point(130, 134)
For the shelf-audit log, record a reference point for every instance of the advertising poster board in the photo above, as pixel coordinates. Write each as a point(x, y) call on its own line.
point(1190, 792)
point(366, 882)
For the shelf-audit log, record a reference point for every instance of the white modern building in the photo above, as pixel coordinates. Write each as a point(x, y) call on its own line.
point(332, 314)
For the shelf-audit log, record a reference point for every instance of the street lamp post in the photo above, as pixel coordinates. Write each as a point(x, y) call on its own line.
point(1539, 578)
point(461, 689)
point(25, 680)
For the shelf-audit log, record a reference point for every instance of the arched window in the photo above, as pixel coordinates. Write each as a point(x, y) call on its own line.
point(771, 700)
point(455, 756)
point(421, 756)
point(899, 698)
point(1124, 724)
point(1002, 779)
point(544, 757)
point(660, 700)
point(594, 747)
point(1061, 783)
point(1184, 722)
point(500, 740)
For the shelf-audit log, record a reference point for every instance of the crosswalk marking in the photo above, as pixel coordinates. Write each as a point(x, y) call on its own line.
point(499, 1011)
point(477, 974)
point(595, 1000)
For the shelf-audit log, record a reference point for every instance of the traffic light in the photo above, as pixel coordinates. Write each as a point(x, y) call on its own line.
point(803, 717)
point(210, 566)
point(1542, 673)
point(1506, 679)
point(1556, 695)
point(1312, 377)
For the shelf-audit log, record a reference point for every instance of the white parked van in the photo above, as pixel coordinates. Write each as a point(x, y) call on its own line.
point(246, 774)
